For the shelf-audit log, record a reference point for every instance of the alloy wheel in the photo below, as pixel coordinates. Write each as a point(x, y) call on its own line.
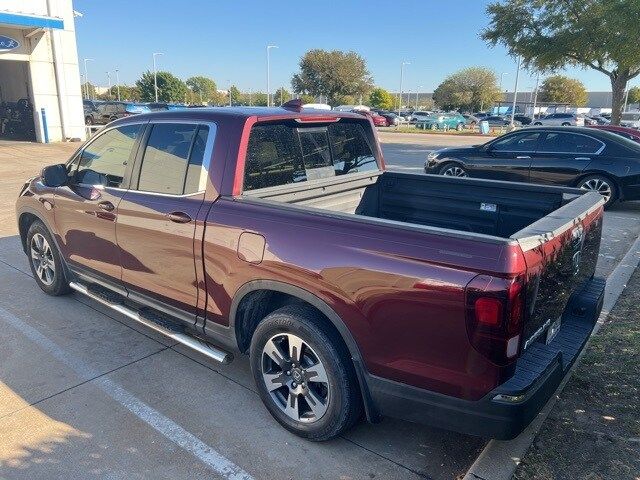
point(42, 259)
point(295, 378)
point(598, 185)
point(454, 171)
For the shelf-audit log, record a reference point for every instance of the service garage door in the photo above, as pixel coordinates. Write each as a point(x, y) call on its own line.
point(16, 107)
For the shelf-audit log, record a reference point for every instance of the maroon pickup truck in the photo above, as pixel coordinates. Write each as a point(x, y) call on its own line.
point(277, 233)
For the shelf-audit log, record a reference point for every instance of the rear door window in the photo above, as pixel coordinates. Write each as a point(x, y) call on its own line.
point(173, 159)
point(281, 154)
point(560, 142)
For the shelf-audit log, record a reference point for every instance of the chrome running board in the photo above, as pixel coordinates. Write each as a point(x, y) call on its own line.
point(192, 342)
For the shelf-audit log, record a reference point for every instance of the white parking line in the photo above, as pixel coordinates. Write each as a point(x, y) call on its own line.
point(167, 427)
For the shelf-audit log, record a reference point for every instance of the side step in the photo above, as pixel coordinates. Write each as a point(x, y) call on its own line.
point(156, 323)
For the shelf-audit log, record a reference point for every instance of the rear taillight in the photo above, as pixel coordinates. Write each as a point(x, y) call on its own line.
point(495, 309)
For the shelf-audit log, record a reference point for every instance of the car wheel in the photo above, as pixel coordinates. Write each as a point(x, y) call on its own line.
point(538, 123)
point(566, 124)
point(603, 185)
point(433, 126)
point(88, 120)
point(46, 261)
point(453, 170)
point(459, 127)
point(304, 374)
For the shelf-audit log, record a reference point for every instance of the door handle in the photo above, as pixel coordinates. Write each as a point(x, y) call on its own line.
point(522, 157)
point(179, 217)
point(106, 206)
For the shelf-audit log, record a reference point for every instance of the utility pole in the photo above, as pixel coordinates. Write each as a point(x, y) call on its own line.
point(626, 99)
point(109, 83)
point(535, 97)
point(269, 47)
point(229, 90)
point(118, 84)
point(155, 74)
point(86, 75)
point(401, 80)
point(418, 90)
point(515, 92)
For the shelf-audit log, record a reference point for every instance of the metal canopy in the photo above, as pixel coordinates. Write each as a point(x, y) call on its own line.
point(25, 20)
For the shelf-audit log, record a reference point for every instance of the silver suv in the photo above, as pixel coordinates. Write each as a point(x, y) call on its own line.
point(561, 119)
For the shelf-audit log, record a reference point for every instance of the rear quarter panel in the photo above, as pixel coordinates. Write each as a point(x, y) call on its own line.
point(400, 292)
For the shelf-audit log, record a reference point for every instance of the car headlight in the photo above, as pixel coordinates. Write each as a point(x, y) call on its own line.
point(432, 156)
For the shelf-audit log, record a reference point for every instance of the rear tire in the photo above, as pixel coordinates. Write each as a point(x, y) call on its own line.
point(304, 349)
point(566, 124)
point(603, 185)
point(459, 127)
point(537, 123)
point(45, 261)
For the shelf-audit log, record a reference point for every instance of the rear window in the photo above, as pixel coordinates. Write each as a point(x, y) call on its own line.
point(280, 154)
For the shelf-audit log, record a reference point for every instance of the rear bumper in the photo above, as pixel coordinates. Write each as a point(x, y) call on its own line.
point(507, 410)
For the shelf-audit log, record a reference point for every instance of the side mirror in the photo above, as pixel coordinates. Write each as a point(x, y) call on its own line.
point(55, 175)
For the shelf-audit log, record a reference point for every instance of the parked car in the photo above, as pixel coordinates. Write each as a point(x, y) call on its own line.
point(587, 158)
point(390, 117)
point(91, 112)
point(378, 120)
point(500, 121)
point(470, 120)
point(419, 116)
point(523, 119)
point(156, 106)
point(630, 119)
point(600, 120)
point(626, 132)
point(277, 233)
point(481, 115)
point(112, 110)
point(561, 119)
point(442, 121)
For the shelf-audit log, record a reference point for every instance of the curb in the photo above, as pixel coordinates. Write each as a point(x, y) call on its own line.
point(499, 459)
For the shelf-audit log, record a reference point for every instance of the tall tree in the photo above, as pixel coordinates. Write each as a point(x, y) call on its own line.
point(552, 34)
point(234, 93)
point(204, 89)
point(561, 89)
point(126, 93)
point(473, 88)
point(380, 98)
point(332, 74)
point(170, 87)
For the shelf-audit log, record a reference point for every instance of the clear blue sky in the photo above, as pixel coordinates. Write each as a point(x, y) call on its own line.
point(227, 40)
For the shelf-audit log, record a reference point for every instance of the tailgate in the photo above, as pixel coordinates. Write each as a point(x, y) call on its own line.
point(561, 252)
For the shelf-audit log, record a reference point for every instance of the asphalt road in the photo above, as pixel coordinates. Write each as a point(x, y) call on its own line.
point(87, 393)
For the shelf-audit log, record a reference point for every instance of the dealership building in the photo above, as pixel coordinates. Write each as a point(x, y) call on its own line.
point(40, 95)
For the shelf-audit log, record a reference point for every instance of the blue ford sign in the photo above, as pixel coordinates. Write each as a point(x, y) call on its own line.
point(8, 43)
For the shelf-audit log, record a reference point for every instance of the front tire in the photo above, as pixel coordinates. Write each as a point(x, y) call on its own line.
point(45, 261)
point(601, 184)
point(304, 374)
point(453, 170)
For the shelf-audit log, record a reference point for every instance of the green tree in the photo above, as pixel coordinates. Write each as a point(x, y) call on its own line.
point(170, 88)
point(306, 98)
point(634, 95)
point(552, 34)
point(380, 98)
point(561, 89)
point(234, 93)
point(126, 93)
point(473, 88)
point(332, 74)
point(91, 92)
point(204, 89)
point(280, 96)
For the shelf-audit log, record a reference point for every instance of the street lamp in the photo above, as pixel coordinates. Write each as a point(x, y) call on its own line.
point(269, 47)
point(502, 79)
point(515, 92)
point(109, 83)
point(417, 90)
point(155, 74)
point(118, 84)
point(86, 76)
point(229, 90)
point(401, 80)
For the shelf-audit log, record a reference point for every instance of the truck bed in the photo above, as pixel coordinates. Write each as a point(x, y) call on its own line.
point(495, 208)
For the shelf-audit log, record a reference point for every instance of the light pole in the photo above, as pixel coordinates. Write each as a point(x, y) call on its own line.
point(269, 47)
point(535, 97)
point(401, 80)
point(502, 80)
point(155, 74)
point(109, 83)
point(118, 84)
point(626, 99)
point(515, 92)
point(86, 75)
point(229, 90)
point(417, 90)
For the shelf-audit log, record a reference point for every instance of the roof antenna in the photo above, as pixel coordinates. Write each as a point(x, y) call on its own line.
point(294, 104)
